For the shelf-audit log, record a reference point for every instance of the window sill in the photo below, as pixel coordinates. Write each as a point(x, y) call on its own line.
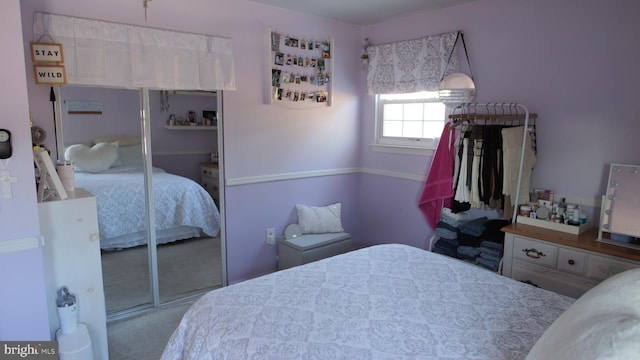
point(396, 149)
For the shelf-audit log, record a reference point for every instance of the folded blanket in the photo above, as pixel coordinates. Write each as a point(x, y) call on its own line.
point(452, 243)
point(491, 258)
point(492, 245)
point(447, 214)
point(444, 250)
point(485, 251)
point(444, 225)
point(488, 264)
point(474, 227)
point(446, 234)
point(468, 252)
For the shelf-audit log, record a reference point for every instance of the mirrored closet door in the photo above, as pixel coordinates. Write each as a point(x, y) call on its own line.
point(146, 174)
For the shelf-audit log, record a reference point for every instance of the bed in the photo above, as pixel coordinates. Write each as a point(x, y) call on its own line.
point(115, 176)
point(393, 302)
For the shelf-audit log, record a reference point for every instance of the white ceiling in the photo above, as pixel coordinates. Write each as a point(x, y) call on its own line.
point(362, 12)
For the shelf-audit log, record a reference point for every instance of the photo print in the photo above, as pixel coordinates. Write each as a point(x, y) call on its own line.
point(275, 41)
point(326, 50)
point(275, 77)
point(279, 58)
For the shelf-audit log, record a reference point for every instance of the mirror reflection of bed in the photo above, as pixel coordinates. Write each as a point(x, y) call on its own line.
point(106, 149)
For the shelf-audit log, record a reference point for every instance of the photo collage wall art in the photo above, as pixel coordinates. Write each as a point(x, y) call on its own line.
point(300, 68)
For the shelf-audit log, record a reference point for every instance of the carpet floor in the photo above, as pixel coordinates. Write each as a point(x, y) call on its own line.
point(185, 268)
point(143, 337)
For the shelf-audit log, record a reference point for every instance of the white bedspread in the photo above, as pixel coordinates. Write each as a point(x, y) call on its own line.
point(382, 302)
point(120, 197)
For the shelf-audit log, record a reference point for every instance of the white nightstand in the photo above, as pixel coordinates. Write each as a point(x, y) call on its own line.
point(210, 180)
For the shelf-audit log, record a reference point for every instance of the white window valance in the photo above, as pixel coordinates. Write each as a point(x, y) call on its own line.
point(410, 65)
point(120, 55)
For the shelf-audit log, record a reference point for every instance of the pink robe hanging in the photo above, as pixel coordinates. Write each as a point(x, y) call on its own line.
point(438, 188)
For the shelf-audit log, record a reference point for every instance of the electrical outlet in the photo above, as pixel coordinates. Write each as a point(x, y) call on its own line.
point(271, 236)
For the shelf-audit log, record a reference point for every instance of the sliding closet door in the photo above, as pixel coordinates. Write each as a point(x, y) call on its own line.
point(185, 182)
point(113, 172)
point(156, 191)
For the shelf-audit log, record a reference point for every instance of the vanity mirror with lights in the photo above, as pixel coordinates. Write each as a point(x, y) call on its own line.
point(620, 211)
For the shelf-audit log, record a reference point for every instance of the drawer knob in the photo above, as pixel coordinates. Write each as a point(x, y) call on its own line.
point(533, 253)
point(571, 262)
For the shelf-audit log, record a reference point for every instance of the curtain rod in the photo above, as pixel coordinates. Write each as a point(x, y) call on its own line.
point(420, 38)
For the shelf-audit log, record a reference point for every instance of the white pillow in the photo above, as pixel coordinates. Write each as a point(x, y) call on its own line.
point(319, 220)
point(604, 323)
point(94, 159)
point(123, 140)
point(130, 155)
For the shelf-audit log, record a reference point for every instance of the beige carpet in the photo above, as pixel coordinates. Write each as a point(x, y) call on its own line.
point(143, 337)
point(185, 268)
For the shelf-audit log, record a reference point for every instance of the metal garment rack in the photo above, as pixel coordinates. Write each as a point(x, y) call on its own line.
point(499, 113)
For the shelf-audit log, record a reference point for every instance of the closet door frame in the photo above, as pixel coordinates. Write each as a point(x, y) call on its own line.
point(145, 127)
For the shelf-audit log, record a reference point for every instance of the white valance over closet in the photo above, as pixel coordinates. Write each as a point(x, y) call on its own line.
point(120, 55)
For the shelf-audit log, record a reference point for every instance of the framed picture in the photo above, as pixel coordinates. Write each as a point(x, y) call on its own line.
point(49, 184)
point(50, 74)
point(46, 52)
point(84, 107)
point(209, 117)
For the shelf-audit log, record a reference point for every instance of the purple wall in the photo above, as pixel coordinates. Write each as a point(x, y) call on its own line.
point(572, 62)
point(23, 309)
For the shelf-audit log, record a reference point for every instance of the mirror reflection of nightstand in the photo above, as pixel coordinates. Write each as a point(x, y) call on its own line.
point(209, 179)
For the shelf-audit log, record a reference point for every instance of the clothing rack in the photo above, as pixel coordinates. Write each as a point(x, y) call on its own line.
point(513, 114)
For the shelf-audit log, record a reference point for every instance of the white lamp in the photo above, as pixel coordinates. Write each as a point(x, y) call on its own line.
point(456, 89)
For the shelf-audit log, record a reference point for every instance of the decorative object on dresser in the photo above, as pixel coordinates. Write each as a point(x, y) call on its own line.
point(569, 264)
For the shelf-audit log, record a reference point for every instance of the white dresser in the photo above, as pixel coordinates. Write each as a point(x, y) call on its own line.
point(209, 179)
point(72, 258)
point(564, 263)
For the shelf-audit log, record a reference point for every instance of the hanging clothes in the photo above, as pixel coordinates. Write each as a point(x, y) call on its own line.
point(438, 187)
point(512, 139)
point(492, 169)
point(488, 156)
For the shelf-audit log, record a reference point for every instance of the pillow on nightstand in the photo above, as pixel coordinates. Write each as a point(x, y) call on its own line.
point(319, 220)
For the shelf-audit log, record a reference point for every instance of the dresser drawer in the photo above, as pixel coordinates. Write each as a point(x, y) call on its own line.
point(535, 252)
point(572, 261)
point(601, 268)
point(210, 184)
point(207, 171)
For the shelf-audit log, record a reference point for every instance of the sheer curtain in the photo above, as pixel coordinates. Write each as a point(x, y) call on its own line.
point(120, 55)
point(410, 65)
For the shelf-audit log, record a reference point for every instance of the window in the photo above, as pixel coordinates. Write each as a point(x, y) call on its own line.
point(409, 120)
